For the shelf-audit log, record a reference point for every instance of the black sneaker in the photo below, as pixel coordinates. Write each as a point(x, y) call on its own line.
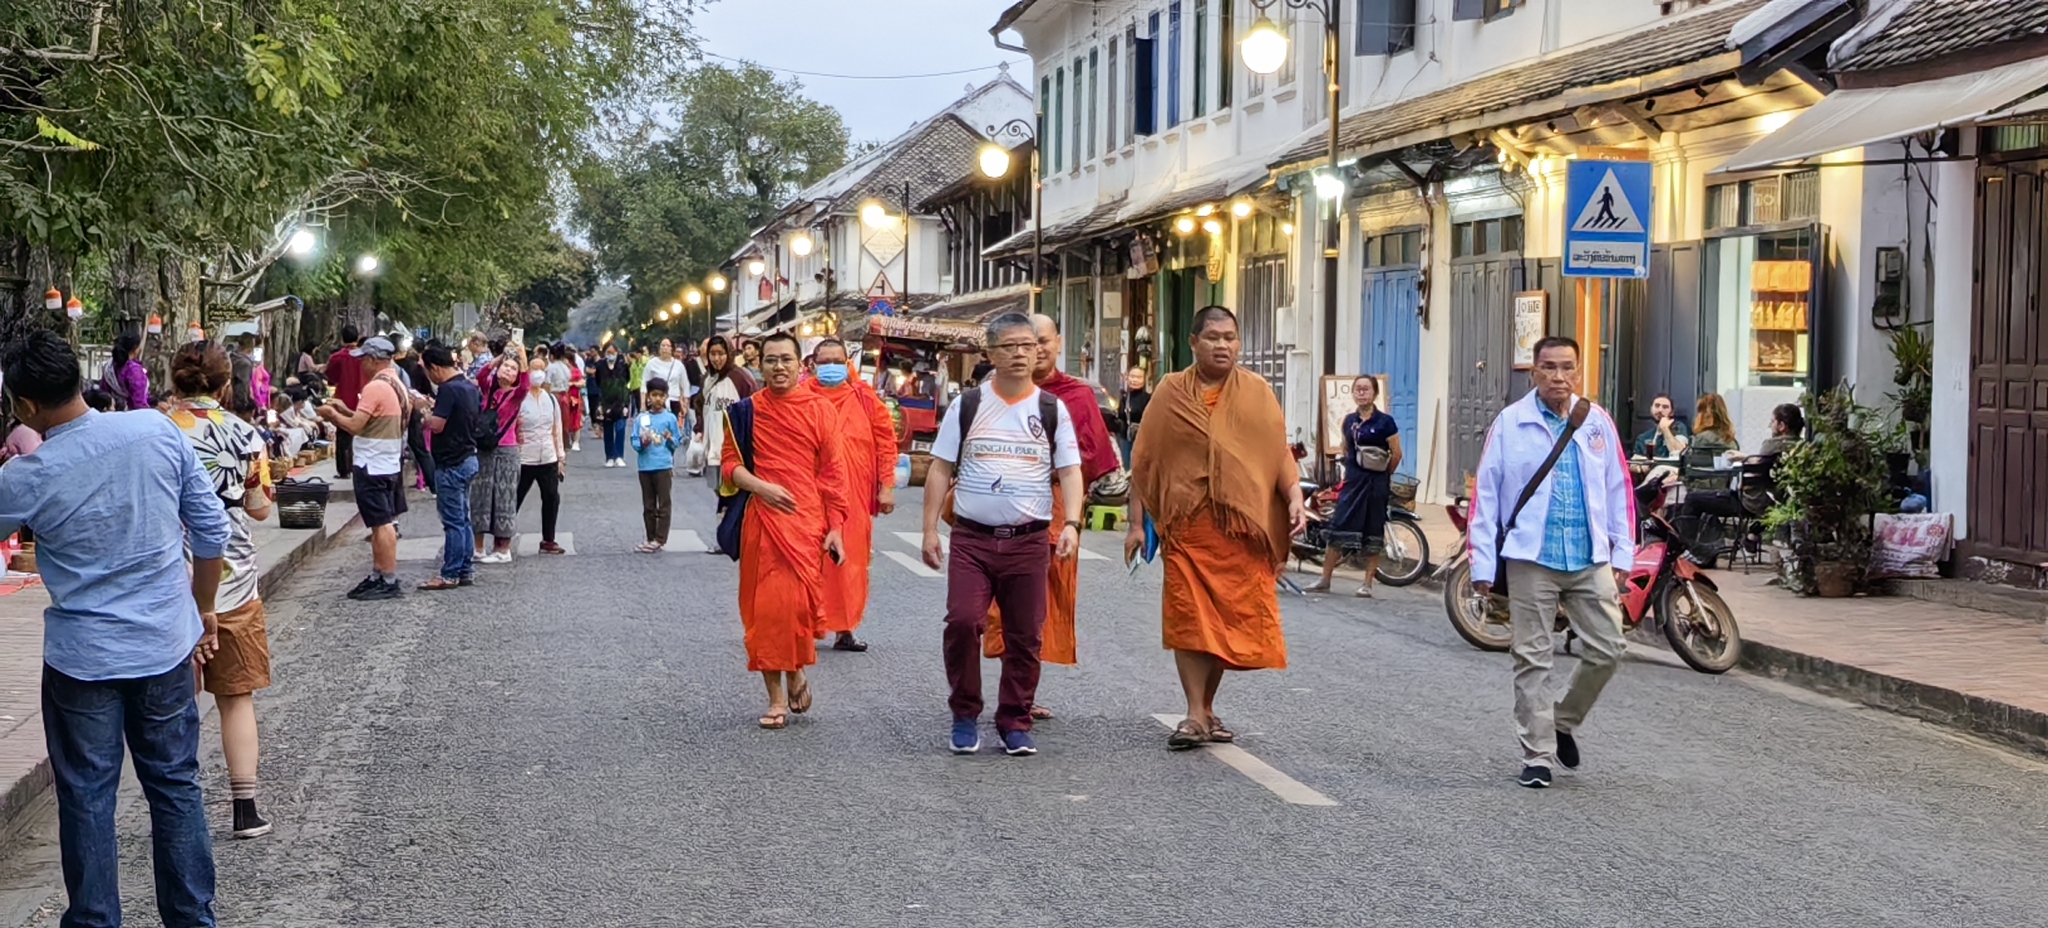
point(369, 583)
point(248, 824)
point(1567, 750)
point(383, 589)
point(1535, 777)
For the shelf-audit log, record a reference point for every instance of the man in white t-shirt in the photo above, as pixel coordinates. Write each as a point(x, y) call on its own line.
point(1005, 462)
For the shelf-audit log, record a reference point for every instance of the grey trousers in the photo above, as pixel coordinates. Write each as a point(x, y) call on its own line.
point(1589, 598)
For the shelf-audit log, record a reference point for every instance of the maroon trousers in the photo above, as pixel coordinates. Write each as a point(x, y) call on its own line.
point(1011, 572)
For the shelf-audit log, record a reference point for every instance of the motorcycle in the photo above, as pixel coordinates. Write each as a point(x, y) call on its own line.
point(1665, 584)
point(1404, 558)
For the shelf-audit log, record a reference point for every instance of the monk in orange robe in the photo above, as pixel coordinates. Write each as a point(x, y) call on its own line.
point(869, 436)
point(792, 524)
point(1098, 457)
point(1212, 468)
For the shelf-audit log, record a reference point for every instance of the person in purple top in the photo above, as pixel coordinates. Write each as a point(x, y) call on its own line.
point(115, 501)
point(124, 377)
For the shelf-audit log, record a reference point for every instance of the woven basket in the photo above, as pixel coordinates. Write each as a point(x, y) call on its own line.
point(302, 504)
point(1403, 490)
point(280, 468)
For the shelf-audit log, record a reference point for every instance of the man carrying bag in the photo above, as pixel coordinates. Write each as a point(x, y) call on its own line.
point(1554, 513)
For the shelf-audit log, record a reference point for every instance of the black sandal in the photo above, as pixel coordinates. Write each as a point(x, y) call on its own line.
point(800, 700)
point(1187, 734)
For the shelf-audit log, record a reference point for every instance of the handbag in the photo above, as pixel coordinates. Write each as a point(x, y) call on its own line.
point(1374, 459)
point(739, 423)
point(1500, 542)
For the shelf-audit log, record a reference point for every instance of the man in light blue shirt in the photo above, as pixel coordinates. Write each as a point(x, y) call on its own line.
point(1568, 547)
point(115, 500)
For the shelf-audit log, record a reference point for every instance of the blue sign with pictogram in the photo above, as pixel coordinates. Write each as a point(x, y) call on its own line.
point(1605, 205)
point(881, 308)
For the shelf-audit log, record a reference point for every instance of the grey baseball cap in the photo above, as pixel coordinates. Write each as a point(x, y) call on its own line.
point(377, 347)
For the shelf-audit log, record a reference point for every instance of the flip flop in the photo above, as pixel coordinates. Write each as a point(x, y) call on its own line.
point(1187, 734)
point(800, 700)
point(1041, 713)
point(1317, 587)
point(1218, 733)
point(775, 721)
point(440, 583)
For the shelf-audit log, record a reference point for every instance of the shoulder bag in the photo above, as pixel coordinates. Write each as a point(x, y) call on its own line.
point(1500, 542)
point(739, 423)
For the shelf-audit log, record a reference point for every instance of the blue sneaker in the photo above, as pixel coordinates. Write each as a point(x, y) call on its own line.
point(1018, 743)
point(966, 736)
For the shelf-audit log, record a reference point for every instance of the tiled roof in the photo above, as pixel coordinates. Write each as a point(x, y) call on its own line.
point(935, 158)
point(1623, 60)
point(1912, 31)
point(981, 305)
point(1100, 219)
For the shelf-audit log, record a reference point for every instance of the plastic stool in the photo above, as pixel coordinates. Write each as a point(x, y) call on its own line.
point(1104, 518)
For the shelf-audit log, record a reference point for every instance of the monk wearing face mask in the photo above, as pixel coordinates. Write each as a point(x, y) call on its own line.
point(869, 436)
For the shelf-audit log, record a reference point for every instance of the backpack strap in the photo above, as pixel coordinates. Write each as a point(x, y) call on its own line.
point(1049, 417)
point(970, 407)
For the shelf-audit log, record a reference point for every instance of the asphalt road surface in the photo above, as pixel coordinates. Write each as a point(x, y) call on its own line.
point(573, 742)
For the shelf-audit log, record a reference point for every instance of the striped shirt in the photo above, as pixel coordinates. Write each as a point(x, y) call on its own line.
point(1567, 536)
point(379, 444)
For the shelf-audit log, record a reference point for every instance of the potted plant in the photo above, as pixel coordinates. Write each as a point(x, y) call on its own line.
point(1913, 352)
point(1829, 488)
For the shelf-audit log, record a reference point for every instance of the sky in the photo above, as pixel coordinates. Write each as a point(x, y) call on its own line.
point(866, 37)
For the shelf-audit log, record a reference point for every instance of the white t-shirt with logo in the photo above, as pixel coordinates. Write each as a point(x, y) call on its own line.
point(1005, 475)
point(538, 413)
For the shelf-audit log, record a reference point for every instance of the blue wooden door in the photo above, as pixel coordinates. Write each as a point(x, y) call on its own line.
point(1393, 346)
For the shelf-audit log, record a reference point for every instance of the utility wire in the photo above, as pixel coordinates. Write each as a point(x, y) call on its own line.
point(854, 77)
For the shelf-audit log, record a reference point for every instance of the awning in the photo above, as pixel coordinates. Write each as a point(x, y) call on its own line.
point(925, 330)
point(1855, 118)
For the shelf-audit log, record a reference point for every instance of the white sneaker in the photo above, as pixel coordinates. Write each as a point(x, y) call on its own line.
point(496, 557)
point(576, 445)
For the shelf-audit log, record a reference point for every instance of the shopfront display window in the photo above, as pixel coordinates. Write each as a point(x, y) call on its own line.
point(1758, 323)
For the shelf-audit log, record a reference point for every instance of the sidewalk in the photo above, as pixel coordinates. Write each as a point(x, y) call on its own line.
point(24, 764)
point(1981, 672)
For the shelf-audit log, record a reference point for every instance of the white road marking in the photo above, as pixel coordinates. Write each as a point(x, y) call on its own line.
point(911, 564)
point(686, 540)
point(1258, 771)
point(1088, 555)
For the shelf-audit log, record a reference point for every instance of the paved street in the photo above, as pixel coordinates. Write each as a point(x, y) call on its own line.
point(573, 743)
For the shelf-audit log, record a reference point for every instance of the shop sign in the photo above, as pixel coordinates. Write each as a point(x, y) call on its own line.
point(1605, 202)
point(924, 330)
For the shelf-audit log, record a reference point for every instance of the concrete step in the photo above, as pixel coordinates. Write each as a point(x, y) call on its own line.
point(2030, 605)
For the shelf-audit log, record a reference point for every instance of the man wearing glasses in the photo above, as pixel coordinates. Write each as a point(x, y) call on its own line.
point(1570, 538)
point(999, 456)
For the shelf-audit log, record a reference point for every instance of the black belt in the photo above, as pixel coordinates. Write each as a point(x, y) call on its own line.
point(1001, 531)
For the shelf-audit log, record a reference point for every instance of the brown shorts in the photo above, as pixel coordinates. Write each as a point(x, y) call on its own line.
point(242, 665)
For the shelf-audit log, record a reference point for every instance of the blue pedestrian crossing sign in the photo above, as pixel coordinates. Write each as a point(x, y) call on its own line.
point(1605, 205)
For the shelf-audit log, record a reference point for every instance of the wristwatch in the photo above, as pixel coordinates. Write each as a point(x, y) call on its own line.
point(1076, 523)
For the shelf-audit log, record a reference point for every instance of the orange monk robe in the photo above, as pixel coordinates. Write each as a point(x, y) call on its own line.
point(1211, 470)
point(869, 437)
point(782, 555)
point(1063, 578)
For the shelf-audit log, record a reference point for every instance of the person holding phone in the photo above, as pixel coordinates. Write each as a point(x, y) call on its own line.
point(796, 472)
point(656, 436)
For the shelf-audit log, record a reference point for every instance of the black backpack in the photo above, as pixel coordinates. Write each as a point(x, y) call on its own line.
point(1048, 416)
point(484, 429)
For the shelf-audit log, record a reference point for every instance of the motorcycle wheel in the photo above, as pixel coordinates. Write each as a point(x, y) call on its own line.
point(1700, 626)
point(1469, 613)
point(1406, 557)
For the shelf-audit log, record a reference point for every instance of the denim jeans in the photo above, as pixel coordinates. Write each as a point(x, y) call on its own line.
point(451, 499)
point(84, 724)
point(615, 440)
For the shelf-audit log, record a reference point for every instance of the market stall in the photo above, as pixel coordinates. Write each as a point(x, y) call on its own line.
point(918, 365)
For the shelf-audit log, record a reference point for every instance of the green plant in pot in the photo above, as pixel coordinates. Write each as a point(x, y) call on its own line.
point(1913, 352)
point(1829, 487)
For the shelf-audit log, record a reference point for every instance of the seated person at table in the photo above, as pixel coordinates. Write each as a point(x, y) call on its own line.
point(1669, 437)
point(1788, 428)
point(1713, 432)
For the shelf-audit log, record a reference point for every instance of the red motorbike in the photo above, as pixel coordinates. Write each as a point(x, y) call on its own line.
point(1665, 585)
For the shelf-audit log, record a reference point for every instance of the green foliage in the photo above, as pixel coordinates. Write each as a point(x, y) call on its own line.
point(1830, 485)
point(1913, 352)
point(670, 206)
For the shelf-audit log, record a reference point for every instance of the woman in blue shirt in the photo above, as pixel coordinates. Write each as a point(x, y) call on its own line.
point(1372, 452)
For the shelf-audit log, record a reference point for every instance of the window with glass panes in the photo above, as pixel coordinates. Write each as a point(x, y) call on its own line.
point(1762, 201)
point(1486, 237)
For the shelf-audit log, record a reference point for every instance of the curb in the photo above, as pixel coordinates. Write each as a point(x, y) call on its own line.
point(24, 792)
point(2008, 725)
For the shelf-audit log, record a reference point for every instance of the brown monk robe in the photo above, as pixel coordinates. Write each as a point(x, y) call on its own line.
point(869, 435)
point(1098, 457)
point(792, 521)
point(1212, 469)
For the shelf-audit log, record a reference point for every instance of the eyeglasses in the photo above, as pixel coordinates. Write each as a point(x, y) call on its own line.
point(1014, 347)
point(1554, 370)
point(779, 361)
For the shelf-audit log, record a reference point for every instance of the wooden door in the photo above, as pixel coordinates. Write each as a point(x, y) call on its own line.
point(2009, 368)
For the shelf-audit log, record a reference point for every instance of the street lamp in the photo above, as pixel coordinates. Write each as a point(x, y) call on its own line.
point(302, 243)
point(873, 215)
point(800, 244)
point(693, 296)
point(717, 282)
point(1265, 49)
point(367, 265)
point(756, 267)
point(994, 157)
point(661, 316)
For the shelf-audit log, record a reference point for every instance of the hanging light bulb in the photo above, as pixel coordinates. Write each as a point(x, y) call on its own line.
point(74, 309)
point(800, 244)
point(874, 216)
point(995, 161)
point(756, 267)
point(1329, 186)
point(1212, 227)
point(1242, 209)
point(53, 299)
point(1185, 225)
point(1264, 47)
point(717, 282)
point(693, 296)
point(302, 244)
point(155, 326)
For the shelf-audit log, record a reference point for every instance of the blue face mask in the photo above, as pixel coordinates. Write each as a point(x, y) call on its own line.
point(832, 375)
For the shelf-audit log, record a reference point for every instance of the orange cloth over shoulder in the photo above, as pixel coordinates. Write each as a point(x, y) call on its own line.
point(869, 442)
point(782, 555)
point(1212, 466)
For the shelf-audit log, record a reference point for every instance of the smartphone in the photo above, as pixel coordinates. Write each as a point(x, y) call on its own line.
point(837, 558)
